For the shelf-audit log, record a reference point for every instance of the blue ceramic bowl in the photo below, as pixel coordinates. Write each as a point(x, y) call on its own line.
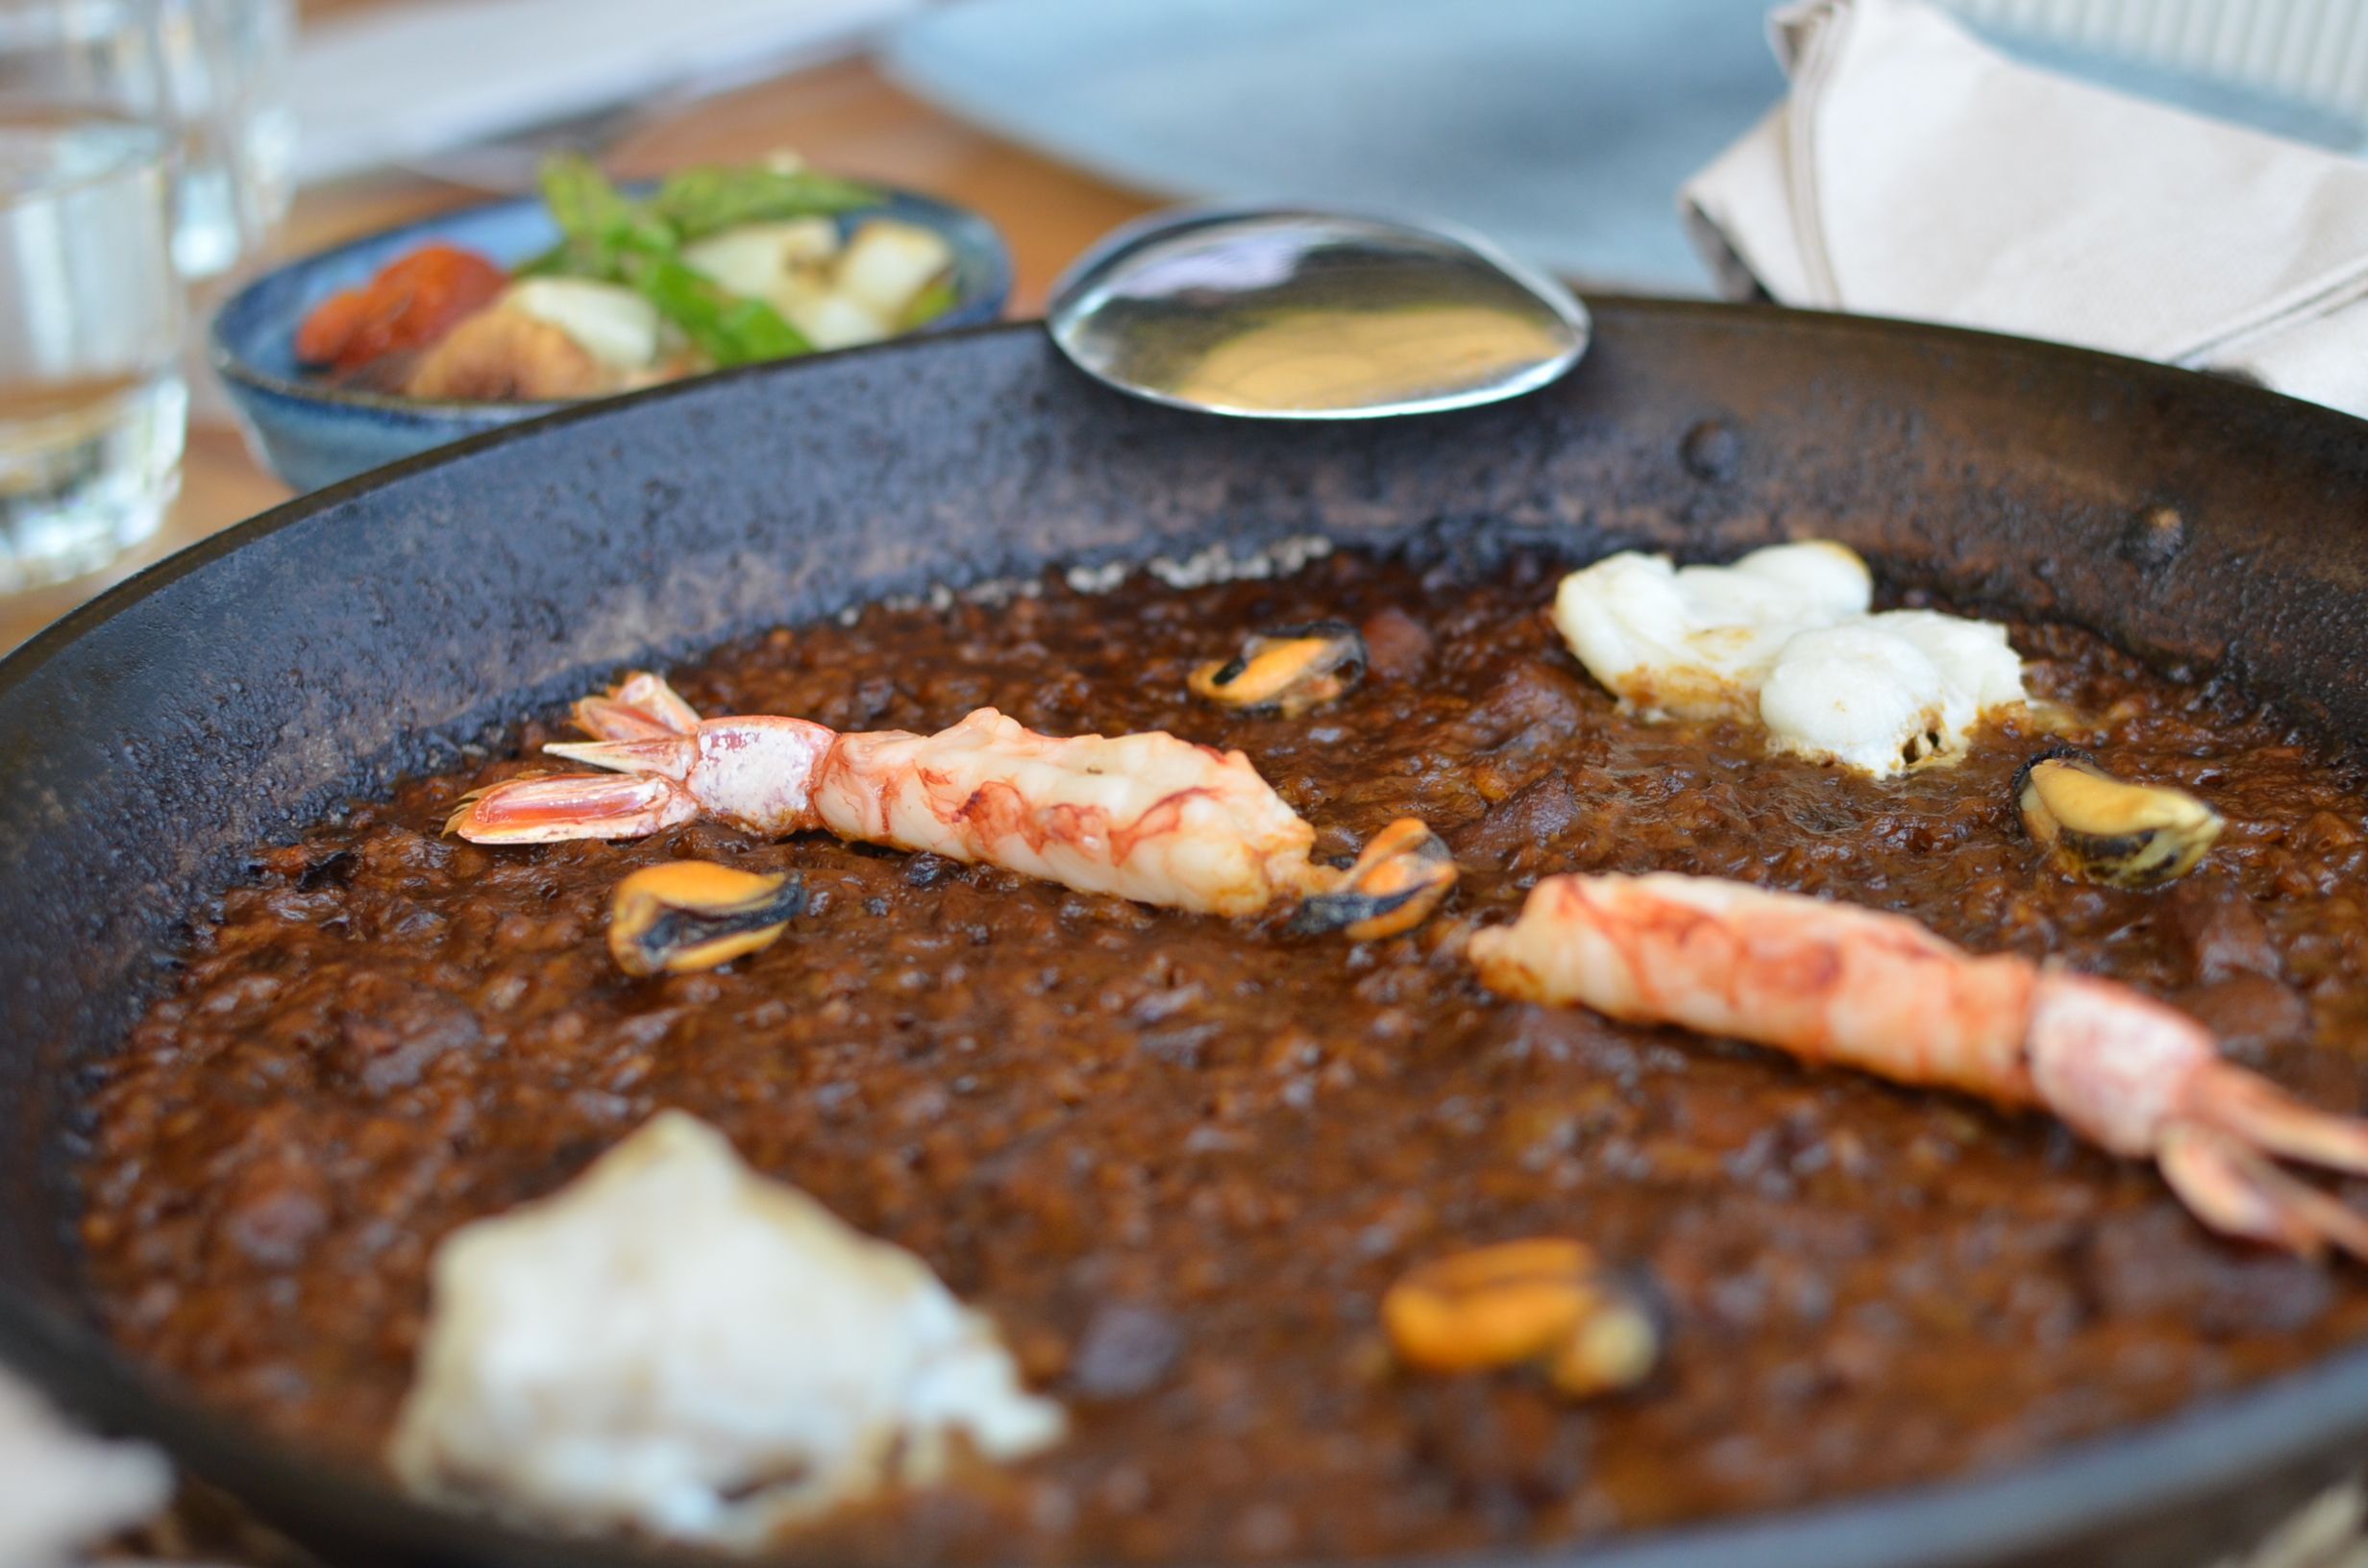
point(312, 434)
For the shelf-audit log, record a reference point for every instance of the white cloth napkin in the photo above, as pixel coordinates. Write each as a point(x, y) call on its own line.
point(59, 1490)
point(1915, 172)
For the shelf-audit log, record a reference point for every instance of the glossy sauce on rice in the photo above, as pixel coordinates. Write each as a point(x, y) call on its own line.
point(1179, 1157)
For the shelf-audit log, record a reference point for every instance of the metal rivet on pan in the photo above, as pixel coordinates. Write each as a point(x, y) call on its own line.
point(2154, 538)
point(1709, 450)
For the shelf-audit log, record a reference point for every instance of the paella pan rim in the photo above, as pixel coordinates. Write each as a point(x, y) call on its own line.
point(2293, 1432)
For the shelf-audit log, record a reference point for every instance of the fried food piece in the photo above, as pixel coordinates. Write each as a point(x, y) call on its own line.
point(504, 355)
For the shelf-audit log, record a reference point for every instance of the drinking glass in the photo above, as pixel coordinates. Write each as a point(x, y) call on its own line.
point(212, 72)
point(93, 410)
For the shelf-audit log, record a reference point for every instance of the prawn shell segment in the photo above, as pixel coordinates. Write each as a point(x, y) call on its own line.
point(755, 772)
point(2112, 1063)
point(1821, 980)
point(1144, 816)
point(640, 707)
point(552, 808)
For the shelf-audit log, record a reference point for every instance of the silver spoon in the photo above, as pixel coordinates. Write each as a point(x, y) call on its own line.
point(1295, 313)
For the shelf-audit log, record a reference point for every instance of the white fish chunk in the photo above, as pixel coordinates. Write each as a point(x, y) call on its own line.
point(676, 1344)
point(1862, 698)
point(1697, 642)
point(1974, 655)
point(1784, 636)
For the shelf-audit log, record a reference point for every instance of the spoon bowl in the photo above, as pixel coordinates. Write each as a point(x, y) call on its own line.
point(1296, 313)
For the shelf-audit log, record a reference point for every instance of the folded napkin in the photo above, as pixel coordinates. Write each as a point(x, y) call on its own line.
point(1915, 172)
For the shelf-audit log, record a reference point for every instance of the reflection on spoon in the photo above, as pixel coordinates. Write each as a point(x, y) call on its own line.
point(1298, 314)
point(1345, 360)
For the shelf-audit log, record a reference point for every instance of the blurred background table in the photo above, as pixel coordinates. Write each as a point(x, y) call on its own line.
point(1560, 127)
point(846, 117)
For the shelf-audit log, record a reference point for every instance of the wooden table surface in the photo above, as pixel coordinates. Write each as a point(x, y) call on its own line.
point(845, 117)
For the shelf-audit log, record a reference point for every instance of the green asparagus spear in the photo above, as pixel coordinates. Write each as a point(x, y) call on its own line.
point(705, 201)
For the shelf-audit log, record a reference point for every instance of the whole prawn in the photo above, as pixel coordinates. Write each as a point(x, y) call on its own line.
point(1829, 982)
point(1147, 816)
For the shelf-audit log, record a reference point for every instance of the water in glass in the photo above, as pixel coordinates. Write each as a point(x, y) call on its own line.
point(212, 72)
point(92, 405)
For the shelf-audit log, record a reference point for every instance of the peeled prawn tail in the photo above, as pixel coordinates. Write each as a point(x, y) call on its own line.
point(755, 772)
point(1835, 983)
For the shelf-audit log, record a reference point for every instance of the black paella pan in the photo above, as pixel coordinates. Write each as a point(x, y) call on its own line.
point(368, 631)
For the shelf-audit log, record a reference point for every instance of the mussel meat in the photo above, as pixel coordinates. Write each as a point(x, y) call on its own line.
point(1392, 886)
point(1291, 669)
point(691, 915)
point(2105, 829)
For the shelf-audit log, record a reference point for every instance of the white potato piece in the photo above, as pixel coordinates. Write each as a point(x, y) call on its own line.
point(676, 1344)
point(1784, 636)
point(829, 319)
point(888, 263)
point(1697, 642)
point(756, 260)
point(614, 324)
